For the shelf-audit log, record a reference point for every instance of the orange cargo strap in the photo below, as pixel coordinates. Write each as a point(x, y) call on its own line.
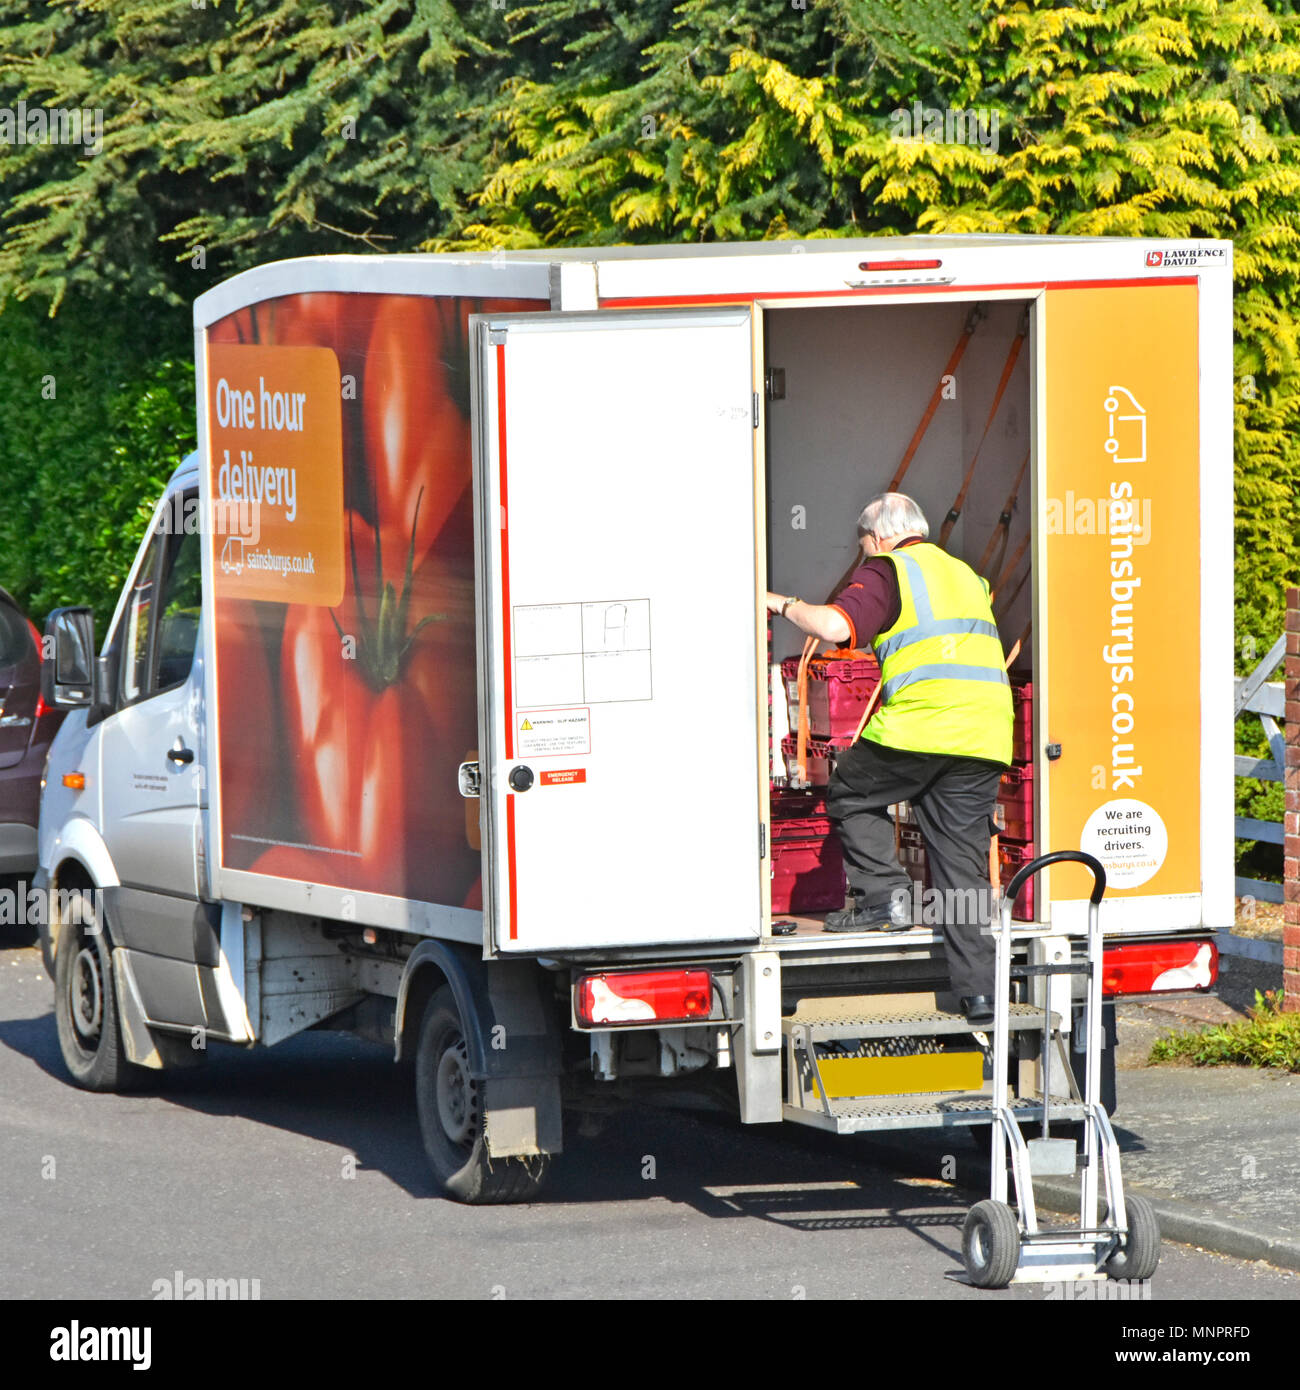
point(801, 733)
point(954, 361)
point(1010, 569)
point(1002, 531)
point(1012, 357)
point(1004, 607)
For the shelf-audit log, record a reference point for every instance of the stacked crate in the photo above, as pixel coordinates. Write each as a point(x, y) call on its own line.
point(1015, 808)
point(838, 690)
point(807, 863)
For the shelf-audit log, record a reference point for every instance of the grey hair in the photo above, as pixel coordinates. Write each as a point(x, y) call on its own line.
point(893, 514)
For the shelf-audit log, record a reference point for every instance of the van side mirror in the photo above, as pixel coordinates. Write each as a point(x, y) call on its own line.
point(68, 670)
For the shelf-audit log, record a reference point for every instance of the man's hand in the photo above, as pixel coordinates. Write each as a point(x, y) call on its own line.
point(816, 619)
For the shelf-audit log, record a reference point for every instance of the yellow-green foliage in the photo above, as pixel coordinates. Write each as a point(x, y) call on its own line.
point(1160, 118)
point(1269, 1038)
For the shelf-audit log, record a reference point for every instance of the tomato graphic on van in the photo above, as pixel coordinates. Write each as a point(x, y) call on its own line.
point(1135, 436)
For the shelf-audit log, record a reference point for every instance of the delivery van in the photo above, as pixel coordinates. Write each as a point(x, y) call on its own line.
point(442, 704)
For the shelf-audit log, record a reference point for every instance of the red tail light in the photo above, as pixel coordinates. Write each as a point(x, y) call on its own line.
point(899, 265)
point(644, 996)
point(1157, 967)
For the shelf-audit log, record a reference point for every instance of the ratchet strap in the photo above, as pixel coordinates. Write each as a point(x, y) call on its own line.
point(954, 361)
point(1002, 531)
point(1012, 357)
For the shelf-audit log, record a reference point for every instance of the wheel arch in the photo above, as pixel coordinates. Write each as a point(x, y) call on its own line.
point(512, 1031)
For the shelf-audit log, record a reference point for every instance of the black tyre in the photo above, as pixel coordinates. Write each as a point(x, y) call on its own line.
point(85, 1007)
point(449, 1105)
point(1140, 1254)
point(990, 1244)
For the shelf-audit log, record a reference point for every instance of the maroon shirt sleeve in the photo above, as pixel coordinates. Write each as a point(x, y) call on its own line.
point(870, 601)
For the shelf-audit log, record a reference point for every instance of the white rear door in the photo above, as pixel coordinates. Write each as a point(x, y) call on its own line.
point(615, 467)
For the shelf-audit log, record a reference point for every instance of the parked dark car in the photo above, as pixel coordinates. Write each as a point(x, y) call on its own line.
point(27, 726)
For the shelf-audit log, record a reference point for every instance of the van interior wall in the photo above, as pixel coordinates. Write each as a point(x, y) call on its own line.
point(857, 382)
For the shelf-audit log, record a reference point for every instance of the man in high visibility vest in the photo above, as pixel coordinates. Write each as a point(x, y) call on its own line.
point(939, 739)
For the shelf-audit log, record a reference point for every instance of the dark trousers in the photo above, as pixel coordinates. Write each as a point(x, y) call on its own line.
point(952, 799)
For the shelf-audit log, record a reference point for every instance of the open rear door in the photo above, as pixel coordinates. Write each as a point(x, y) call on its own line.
point(619, 578)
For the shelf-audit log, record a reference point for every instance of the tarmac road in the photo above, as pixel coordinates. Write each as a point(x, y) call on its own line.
point(300, 1167)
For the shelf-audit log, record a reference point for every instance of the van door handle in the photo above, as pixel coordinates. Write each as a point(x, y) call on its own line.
point(180, 754)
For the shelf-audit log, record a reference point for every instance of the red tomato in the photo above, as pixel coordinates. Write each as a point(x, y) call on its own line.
point(251, 782)
point(374, 764)
point(417, 441)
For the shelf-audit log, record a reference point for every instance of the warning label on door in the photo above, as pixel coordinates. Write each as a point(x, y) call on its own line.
point(553, 733)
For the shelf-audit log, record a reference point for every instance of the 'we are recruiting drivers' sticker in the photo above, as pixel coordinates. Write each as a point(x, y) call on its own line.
point(1129, 838)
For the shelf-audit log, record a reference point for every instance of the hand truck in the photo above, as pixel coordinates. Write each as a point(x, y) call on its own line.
point(999, 1248)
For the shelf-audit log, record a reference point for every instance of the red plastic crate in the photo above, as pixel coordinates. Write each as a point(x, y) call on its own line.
point(821, 755)
point(807, 868)
point(1013, 855)
point(838, 691)
point(1015, 809)
point(788, 804)
point(1022, 730)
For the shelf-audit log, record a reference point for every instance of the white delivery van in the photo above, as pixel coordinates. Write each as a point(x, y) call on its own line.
point(442, 704)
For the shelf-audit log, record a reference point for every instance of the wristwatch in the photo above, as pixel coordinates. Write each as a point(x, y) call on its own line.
point(787, 603)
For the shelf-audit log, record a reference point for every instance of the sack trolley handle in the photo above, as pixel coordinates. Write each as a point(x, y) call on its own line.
point(1060, 856)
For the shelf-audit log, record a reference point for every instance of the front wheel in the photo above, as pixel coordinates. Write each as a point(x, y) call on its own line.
point(85, 1005)
point(449, 1103)
point(990, 1244)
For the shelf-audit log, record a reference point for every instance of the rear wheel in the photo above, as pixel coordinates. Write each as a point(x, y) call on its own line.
point(85, 1006)
point(449, 1103)
point(1141, 1253)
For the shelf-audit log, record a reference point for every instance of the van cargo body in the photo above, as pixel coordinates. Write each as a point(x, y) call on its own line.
point(492, 755)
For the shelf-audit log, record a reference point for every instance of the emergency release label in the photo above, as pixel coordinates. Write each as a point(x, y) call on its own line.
point(552, 733)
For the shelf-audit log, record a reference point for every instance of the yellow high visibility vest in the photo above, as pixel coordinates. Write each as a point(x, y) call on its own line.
point(941, 664)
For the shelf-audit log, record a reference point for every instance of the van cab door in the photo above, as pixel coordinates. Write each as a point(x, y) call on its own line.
point(152, 778)
point(151, 775)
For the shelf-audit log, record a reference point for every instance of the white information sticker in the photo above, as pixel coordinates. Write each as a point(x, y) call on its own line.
point(552, 733)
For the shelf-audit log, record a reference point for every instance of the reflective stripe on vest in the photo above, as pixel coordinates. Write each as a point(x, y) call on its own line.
point(944, 686)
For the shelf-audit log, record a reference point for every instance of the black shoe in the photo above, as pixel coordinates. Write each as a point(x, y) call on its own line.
point(896, 917)
point(978, 1009)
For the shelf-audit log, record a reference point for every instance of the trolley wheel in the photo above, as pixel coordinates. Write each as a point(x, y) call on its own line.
point(1141, 1252)
point(990, 1244)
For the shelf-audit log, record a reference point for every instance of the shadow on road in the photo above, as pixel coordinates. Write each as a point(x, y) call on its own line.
point(348, 1094)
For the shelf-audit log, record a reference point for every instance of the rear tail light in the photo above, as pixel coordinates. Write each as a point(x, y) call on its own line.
point(899, 265)
point(644, 996)
point(1156, 967)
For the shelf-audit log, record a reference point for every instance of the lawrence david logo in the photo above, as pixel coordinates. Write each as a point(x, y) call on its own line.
point(1186, 257)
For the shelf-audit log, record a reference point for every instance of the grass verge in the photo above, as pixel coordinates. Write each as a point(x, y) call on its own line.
point(1266, 1038)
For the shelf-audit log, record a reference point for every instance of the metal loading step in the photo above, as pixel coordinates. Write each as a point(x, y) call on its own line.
point(849, 1071)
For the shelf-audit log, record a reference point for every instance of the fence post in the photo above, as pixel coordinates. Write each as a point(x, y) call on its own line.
point(1291, 850)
